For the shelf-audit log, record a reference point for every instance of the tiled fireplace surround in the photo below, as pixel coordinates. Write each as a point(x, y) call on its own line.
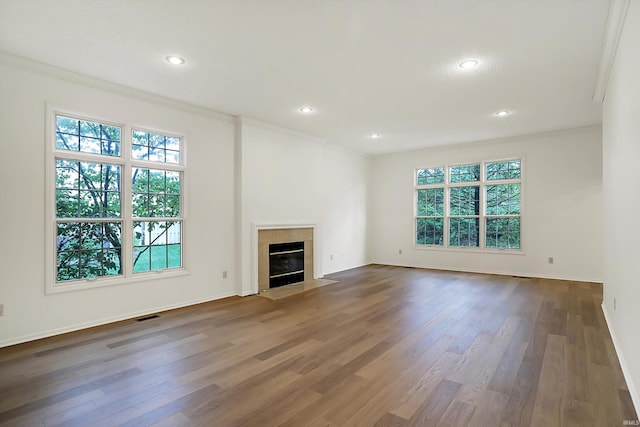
point(284, 234)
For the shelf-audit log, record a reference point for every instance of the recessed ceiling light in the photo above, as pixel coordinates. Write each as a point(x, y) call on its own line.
point(175, 60)
point(468, 64)
point(375, 136)
point(503, 113)
point(306, 110)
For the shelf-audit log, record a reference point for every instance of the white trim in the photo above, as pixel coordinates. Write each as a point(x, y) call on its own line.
point(633, 391)
point(80, 285)
point(615, 23)
point(237, 202)
point(107, 320)
point(309, 138)
point(257, 226)
point(495, 273)
point(130, 92)
point(494, 141)
point(255, 122)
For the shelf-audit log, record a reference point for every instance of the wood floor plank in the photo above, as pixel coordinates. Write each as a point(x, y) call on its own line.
point(547, 410)
point(385, 345)
point(431, 411)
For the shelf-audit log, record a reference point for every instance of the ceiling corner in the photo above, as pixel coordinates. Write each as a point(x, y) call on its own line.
point(615, 23)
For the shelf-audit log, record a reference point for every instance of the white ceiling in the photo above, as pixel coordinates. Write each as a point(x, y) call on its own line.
point(384, 66)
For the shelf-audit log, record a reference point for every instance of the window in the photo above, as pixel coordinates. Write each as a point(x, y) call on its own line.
point(118, 202)
point(469, 206)
point(430, 207)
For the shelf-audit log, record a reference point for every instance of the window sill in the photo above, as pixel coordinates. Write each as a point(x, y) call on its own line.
point(490, 251)
point(115, 281)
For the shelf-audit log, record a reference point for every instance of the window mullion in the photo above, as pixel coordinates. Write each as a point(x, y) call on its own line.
point(127, 211)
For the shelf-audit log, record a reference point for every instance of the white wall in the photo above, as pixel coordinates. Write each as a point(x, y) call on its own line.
point(289, 178)
point(621, 152)
point(562, 207)
point(29, 313)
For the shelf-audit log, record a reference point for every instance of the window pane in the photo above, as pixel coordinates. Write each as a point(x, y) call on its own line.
point(67, 125)
point(156, 193)
point(503, 199)
point(89, 128)
point(68, 263)
point(172, 156)
point(111, 262)
point(466, 173)
point(174, 235)
point(155, 147)
point(156, 181)
point(464, 200)
point(88, 249)
point(141, 259)
point(464, 232)
point(156, 205)
point(503, 170)
point(158, 257)
point(139, 137)
point(156, 141)
point(173, 182)
point(87, 136)
point(91, 235)
point(156, 155)
point(87, 190)
point(110, 148)
point(158, 245)
point(172, 208)
point(89, 145)
point(429, 231)
point(175, 256)
point(140, 152)
point(431, 202)
point(67, 142)
point(67, 174)
point(430, 176)
point(140, 180)
point(140, 205)
point(68, 236)
point(111, 177)
point(503, 233)
point(90, 264)
point(67, 203)
point(173, 144)
point(112, 235)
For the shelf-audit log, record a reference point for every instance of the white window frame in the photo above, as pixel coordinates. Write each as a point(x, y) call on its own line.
point(127, 163)
point(483, 184)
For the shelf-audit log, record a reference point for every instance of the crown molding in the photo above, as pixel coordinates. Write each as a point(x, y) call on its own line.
point(615, 23)
point(494, 141)
point(10, 59)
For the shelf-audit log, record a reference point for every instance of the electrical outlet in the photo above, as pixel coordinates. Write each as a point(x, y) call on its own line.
point(1, 310)
point(551, 260)
point(399, 251)
point(224, 274)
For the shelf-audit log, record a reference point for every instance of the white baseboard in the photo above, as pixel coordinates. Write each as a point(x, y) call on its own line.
point(633, 391)
point(498, 273)
point(77, 327)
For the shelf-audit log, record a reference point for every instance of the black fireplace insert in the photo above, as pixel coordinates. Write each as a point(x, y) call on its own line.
point(286, 263)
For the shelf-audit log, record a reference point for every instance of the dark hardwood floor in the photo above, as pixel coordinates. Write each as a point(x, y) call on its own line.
point(386, 346)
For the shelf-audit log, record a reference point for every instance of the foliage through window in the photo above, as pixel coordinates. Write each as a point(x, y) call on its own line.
point(475, 205)
point(98, 231)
